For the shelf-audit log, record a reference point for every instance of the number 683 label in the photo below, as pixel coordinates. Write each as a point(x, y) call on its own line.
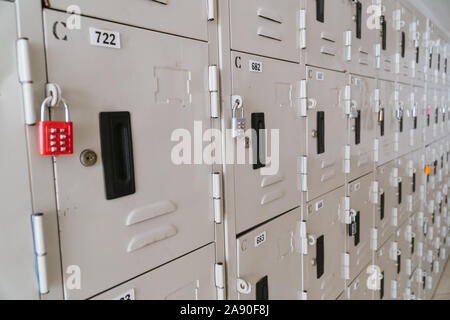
point(104, 38)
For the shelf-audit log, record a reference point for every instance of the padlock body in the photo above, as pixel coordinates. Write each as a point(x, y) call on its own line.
point(55, 138)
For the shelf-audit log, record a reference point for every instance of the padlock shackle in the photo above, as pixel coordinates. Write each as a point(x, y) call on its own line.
point(46, 104)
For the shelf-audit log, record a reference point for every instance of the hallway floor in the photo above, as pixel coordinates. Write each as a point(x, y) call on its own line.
point(443, 290)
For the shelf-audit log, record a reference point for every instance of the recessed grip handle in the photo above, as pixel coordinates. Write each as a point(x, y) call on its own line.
point(358, 20)
point(320, 256)
point(320, 10)
point(320, 132)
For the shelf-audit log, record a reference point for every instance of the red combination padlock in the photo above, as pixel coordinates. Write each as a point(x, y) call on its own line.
point(55, 137)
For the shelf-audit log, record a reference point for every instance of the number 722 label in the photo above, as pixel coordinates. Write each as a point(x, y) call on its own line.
point(104, 38)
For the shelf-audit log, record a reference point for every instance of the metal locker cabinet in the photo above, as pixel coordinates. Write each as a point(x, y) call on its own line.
point(16, 241)
point(358, 245)
point(384, 260)
point(420, 122)
point(160, 15)
point(269, 261)
point(323, 33)
point(386, 217)
point(386, 123)
point(362, 126)
point(188, 278)
point(262, 190)
point(358, 289)
point(266, 28)
point(421, 54)
point(326, 136)
point(364, 37)
point(404, 265)
point(406, 45)
point(401, 191)
point(416, 237)
point(157, 83)
point(432, 102)
point(388, 40)
point(324, 247)
point(404, 118)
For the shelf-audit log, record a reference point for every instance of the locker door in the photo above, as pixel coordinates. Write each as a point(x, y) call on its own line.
point(363, 38)
point(125, 105)
point(404, 118)
point(420, 119)
point(323, 262)
point(387, 123)
point(358, 242)
point(326, 135)
point(269, 262)
point(185, 18)
point(421, 54)
point(384, 260)
point(431, 132)
point(325, 30)
point(18, 279)
point(362, 126)
point(388, 40)
point(264, 191)
point(406, 47)
point(188, 278)
point(358, 289)
point(266, 28)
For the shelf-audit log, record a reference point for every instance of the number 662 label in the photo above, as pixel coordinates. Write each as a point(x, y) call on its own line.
point(104, 38)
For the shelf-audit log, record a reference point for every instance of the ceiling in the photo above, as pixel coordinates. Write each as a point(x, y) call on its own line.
point(437, 10)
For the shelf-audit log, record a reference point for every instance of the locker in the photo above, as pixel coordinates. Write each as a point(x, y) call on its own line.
point(358, 289)
point(188, 278)
point(266, 28)
point(325, 38)
point(432, 115)
point(363, 39)
point(442, 126)
point(434, 62)
point(388, 40)
point(385, 259)
point(18, 279)
point(419, 98)
point(138, 95)
point(325, 135)
point(406, 49)
point(362, 125)
point(323, 246)
point(271, 94)
point(160, 15)
point(269, 261)
point(404, 115)
point(358, 242)
point(405, 264)
point(421, 50)
point(387, 123)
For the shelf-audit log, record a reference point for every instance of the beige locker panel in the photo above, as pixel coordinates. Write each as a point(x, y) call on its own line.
point(359, 289)
point(269, 261)
point(266, 28)
point(407, 32)
point(387, 123)
point(18, 279)
point(404, 115)
point(388, 40)
point(364, 37)
point(324, 39)
point(160, 15)
point(358, 245)
point(419, 98)
point(404, 266)
point(188, 278)
point(161, 81)
point(385, 259)
point(362, 126)
point(432, 114)
point(267, 186)
point(326, 123)
point(421, 52)
point(323, 259)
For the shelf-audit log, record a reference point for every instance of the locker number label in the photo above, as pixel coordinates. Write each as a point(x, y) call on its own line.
point(129, 295)
point(104, 38)
point(260, 239)
point(255, 66)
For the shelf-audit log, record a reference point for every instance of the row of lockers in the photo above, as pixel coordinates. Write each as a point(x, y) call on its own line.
point(339, 118)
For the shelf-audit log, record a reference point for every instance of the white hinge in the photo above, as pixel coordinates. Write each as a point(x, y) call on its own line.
point(422, 193)
point(347, 216)
point(408, 267)
point(420, 217)
point(443, 254)
point(25, 79)
point(431, 206)
point(302, 28)
point(40, 252)
point(393, 253)
point(394, 289)
point(420, 249)
point(303, 107)
point(374, 239)
point(376, 150)
point(347, 99)
point(217, 196)
point(347, 158)
point(411, 137)
point(211, 7)
point(436, 266)
point(410, 203)
point(429, 282)
point(219, 278)
point(345, 271)
point(214, 91)
point(396, 141)
point(374, 191)
point(378, 56)
point(394, 217)
point(348, 45)
point(303, 237)
point(397, 63)
point(394, 177)
point(410, 168)
point(376, 98)
point(304, 295)
point(408, 234)
point(303, 164)
point(430, 256)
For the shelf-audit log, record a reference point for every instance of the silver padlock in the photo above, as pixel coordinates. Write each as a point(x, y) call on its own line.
point(399, 113)
point(237, 122)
